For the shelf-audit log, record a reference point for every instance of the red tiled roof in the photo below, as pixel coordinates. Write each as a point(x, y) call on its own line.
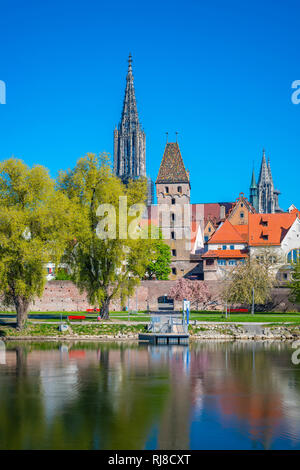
point(273, 227)
point(228, 233)
point(243, 231)
point(226, 254)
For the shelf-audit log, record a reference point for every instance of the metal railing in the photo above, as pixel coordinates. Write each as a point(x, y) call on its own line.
point(167, 324)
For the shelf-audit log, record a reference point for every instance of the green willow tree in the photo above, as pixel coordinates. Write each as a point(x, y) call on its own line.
point(34, 230)
point(105, 262)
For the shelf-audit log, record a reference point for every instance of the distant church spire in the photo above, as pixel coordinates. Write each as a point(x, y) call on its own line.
point(264, 172)
point(253, 192)
point(263, 196)
point(129, 137)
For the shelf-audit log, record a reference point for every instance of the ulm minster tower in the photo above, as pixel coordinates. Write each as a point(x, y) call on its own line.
point(130, 139)
point(263, 195)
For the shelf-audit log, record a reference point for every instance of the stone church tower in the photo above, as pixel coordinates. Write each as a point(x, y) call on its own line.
point(130, 139)
point(174, 209)
point(263, 195)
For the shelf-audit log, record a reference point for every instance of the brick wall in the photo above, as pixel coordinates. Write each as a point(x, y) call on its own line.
point(64, 296)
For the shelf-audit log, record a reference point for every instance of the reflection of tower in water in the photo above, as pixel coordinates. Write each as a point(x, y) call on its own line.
point(174, 427)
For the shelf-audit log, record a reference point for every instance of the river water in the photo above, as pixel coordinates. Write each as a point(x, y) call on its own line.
point(209, 395)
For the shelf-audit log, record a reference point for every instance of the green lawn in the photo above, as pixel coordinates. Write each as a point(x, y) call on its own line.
point(257, 317)
point(267, 317)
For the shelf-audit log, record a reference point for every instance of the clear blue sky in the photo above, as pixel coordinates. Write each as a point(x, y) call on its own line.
point(218, 72)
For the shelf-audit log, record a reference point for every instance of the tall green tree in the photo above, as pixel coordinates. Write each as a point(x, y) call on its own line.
point(107, 259)
point(34, 230)
point(294, 285)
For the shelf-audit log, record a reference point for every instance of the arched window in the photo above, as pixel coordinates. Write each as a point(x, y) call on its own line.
point(293, 255)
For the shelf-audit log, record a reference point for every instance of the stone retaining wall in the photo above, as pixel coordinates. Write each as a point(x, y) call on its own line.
point(64, 296)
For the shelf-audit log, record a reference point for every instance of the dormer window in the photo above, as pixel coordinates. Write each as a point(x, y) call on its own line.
point(264, 222)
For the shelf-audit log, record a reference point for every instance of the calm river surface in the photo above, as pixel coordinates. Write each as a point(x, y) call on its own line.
point(210, 395)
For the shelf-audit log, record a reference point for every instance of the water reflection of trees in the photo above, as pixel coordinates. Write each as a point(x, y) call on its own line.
point(121, 396)
point(21, 405)
point(115, 404)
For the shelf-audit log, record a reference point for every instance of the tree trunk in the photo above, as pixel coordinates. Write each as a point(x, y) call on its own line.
point(22, 306)
point(104, 309)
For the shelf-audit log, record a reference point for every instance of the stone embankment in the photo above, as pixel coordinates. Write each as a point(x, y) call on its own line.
point(130, 330)
point(246, 331)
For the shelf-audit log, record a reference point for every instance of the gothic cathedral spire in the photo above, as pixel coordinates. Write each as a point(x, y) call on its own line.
point(263, 196)
point(129, 137)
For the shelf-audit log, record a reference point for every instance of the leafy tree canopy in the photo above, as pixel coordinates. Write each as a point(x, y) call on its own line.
point(34, 229)
point(255, 273)
point(159, 266)
point(107, 258)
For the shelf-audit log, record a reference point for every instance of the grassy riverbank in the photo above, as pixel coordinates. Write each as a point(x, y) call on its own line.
point(112, 330)
point(40, 329)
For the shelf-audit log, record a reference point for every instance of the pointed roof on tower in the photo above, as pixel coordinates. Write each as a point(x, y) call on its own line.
point(172, 169)
point(264, 171)
point(129, 118)
point(253, 181)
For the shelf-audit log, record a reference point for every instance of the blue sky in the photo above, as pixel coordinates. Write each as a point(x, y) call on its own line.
point(218, 72)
